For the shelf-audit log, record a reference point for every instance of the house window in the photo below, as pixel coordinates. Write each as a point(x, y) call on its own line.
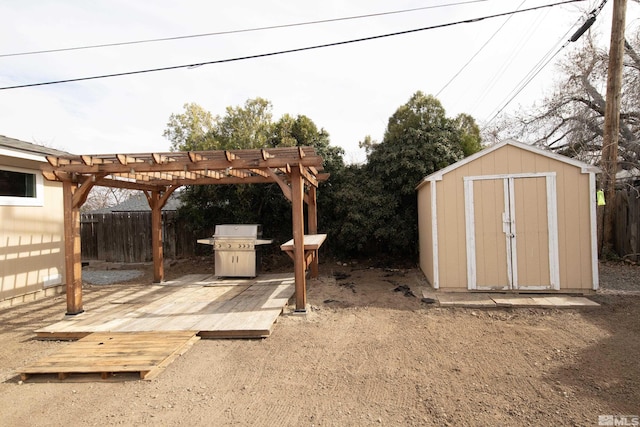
point(17, 184)
point(20, 187)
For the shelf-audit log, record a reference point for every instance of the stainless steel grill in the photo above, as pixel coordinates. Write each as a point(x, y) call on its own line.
point(235, 249)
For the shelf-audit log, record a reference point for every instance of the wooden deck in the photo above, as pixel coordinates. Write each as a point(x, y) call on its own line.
point(212, 307)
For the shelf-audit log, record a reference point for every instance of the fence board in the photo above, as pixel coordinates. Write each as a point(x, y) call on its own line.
point(126, 237)
point(627, 212)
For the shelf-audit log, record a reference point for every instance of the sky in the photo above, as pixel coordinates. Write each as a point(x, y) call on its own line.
point(349, 90)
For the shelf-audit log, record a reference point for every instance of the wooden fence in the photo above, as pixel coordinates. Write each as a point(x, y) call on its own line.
point(627, 223)
point(126, 237)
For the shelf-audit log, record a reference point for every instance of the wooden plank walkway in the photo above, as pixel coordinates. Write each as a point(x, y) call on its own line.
point(107, 353)
point(214, 308)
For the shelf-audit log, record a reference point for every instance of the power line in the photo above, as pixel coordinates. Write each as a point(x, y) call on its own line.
point(282, 52)
point(538, 68)
point(245, 30)
point(525, 82)
point(509, 60)
point(477, 52)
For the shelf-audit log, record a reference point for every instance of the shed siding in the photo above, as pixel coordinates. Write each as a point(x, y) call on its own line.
point(451, 233)
point(573, 215)
point(425, 234)
point(31, 241)
point(574, 235)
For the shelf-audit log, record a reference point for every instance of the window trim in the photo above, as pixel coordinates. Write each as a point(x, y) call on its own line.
point(38, 200)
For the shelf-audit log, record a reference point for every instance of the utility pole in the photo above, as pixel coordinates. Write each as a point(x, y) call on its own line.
point(611, 129)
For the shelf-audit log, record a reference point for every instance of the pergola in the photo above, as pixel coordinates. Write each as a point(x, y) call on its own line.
point(295, 169)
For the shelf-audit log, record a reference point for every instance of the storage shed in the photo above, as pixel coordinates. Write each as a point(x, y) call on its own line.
point(511, 217)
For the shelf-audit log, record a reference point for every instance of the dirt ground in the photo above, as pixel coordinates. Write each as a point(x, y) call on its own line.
point(363, 355)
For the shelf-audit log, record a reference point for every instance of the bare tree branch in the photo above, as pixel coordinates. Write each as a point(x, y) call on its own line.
point(570, 120)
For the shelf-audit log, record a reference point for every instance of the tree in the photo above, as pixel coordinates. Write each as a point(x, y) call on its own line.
point(367, 143)
point(243, 127)
point(360, 213)
point(419, 140)
point(191, 129)
point(570, 120)
point(470, 138)
point(249, 126)
point(302, 131)
point(105, 197)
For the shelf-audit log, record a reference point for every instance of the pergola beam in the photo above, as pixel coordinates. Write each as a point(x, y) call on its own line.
point(143, 167)
point(128, 185)
point(81, 194)
point(202, 180)
point(286, 189)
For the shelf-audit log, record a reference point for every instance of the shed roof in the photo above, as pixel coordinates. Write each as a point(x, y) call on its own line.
point(437, 175)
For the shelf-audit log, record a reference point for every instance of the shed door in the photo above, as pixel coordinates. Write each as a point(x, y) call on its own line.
point(511, 232)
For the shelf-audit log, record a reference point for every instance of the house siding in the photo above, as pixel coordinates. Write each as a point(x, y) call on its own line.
point(31, 242)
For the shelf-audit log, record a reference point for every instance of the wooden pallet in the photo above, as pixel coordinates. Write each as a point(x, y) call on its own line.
point(106, 353)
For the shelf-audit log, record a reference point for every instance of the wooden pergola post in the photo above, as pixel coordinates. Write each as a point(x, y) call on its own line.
point(156, 237)
point(72, 249)
point(157, 199)
point(73, 197)
point(297, 210)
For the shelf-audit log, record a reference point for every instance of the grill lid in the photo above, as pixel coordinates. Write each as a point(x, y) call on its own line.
point(236, 236)
point(251, 231)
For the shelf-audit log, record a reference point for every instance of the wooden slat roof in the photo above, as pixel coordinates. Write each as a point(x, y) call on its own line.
point(157, 170)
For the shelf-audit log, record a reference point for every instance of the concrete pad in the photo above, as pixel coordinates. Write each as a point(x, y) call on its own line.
point(470, 300)
point(569, 301)
point(543, 301)
point(488, 300)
